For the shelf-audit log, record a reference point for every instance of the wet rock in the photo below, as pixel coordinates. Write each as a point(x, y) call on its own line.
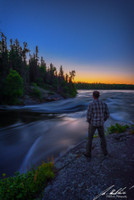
point(80, 179)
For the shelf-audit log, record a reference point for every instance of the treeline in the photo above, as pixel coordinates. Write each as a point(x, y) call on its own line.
point(14, 66)
point(102, 86)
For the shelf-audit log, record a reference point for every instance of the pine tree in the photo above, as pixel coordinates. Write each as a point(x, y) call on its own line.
point(4, 64)
point(33, 66)
point(61, 73)
point(15, 58)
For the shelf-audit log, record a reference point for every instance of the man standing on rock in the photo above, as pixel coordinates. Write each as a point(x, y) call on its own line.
point(97, 114)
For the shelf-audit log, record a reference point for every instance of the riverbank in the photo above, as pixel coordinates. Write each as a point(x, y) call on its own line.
point(36, 95)
point(81, 178)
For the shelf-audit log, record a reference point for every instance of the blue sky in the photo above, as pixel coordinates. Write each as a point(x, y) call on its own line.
point(96, 38)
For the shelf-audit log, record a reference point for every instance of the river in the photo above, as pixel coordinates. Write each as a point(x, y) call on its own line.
point(32, 134)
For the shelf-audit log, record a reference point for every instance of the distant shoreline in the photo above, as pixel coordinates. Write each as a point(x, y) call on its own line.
point(103, 89)
point(103, 86)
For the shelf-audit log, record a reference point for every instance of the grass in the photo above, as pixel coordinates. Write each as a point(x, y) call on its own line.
point(28, 185)
point(117, 128)
point(96, 136)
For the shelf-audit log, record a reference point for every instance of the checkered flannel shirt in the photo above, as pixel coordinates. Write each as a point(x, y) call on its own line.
point(97, 113)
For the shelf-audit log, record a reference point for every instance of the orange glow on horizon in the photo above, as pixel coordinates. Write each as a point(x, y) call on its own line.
point(104, 78)
point(108, 74)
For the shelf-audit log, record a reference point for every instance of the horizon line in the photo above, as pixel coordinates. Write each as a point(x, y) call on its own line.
point(103, 83)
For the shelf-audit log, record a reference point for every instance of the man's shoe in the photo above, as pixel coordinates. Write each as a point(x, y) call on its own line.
point(87, 155)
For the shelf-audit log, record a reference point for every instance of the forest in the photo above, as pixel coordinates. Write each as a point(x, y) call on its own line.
point(22, 72)
point(103, 86)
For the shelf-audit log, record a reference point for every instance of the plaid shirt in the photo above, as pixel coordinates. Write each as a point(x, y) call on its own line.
point(97, 113)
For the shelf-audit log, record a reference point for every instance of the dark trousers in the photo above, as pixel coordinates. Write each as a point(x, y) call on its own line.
point(91, 131)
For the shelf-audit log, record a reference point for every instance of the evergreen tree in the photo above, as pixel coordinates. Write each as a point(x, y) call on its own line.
point(43, 72)
point(4, 64)
point(34, 67)
point(13, 87)
point(61, 73)
point(32, 71)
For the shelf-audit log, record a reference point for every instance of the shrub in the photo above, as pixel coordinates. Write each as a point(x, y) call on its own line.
point(34, 84)
point(13, 87)
point(28, 185)
point(40, 82)
point(36, 92)
point(95, 136)
point(72, 90)
point(117, 128)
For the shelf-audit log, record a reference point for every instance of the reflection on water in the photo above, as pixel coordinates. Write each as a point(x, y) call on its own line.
point(29, 134)
point(15, 118)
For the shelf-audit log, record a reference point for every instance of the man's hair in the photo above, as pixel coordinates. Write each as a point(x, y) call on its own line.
point(96, 94)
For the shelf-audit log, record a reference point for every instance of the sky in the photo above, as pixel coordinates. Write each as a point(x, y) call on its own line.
point(93, 37)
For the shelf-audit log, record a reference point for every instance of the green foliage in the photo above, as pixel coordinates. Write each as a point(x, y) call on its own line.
point(40, 82)
point(36, 92)
point(95, 136)
point(117, 128)
point(35, 70)
point(72, 90)
point(34, 84)
point(28, 185)
point(13, 87)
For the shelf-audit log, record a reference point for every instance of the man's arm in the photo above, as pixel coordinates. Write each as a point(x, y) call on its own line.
point(106, 114)
point(89, 113)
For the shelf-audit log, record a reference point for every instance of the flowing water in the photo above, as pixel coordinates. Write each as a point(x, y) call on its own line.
point(31, 134)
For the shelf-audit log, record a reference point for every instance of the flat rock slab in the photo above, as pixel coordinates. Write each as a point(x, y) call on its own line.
point(79, 178)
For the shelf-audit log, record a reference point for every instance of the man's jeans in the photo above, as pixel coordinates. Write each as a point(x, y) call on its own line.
point(91, 131)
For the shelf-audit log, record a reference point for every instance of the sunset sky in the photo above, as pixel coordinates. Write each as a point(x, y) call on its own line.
point(93, 37)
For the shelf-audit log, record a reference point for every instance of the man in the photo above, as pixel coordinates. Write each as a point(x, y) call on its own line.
point(97, 114)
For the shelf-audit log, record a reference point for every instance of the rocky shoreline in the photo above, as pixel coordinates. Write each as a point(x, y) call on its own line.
point(46, 96)
point(78, 178)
